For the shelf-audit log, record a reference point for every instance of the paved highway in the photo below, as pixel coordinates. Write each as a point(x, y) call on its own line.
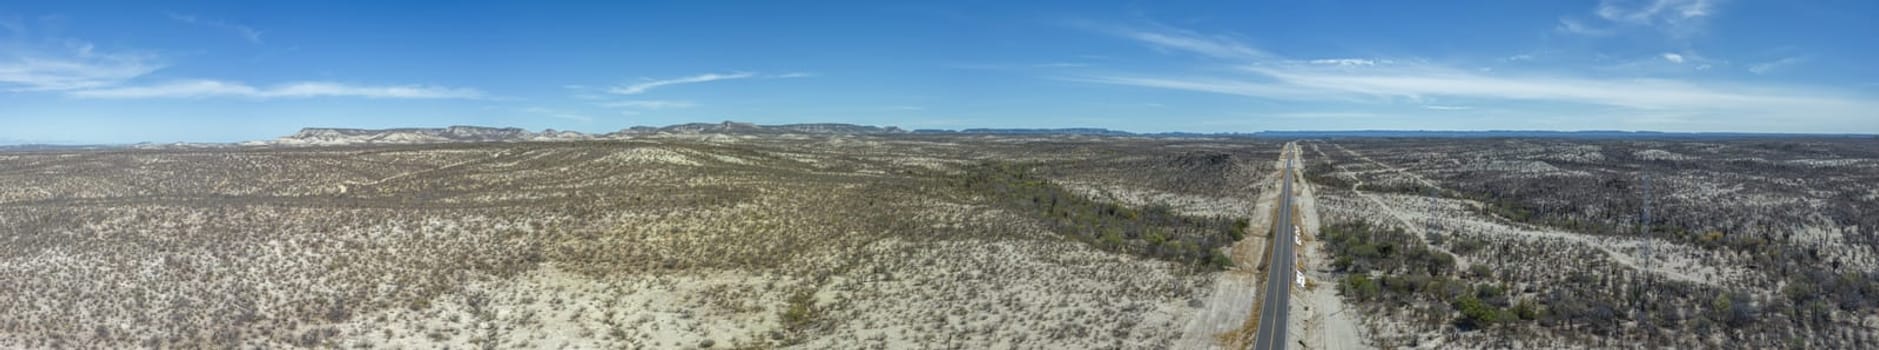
point(1274, 311)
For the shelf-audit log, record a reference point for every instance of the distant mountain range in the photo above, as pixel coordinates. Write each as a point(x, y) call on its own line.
point(337, 136)
point(326, 136)
point(46, 147)
point(455, 134)
point(1060, 131)
point(748, 128)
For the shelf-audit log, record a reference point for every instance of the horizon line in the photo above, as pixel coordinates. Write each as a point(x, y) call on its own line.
point(1068, 130)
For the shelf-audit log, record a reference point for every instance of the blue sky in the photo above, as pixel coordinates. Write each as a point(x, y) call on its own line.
point(119, 72)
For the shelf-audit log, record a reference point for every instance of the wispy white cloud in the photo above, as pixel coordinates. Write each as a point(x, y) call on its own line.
point(1020, 66)
point(1684, 63)
point(1434, 81)
point(246, 32)
point(1655, 94)
point(79, 69)
point(213, 88)
point(1649, 11)
point(648, 104)
point(643, 87)
point(1218, 85)
point(1776, 65)
point(1573, 26)
point(1177, 40)
point(1352, 81)
point(1345, 62)
point(1678, 18)
point(1329, 115)
point(640, 88)
point(73, 65)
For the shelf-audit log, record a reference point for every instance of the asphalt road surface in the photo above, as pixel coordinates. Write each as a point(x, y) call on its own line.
point(1275, 310)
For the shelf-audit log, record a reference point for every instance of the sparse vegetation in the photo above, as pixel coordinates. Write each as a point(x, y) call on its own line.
point(1554, 251)
point(662, 241)
point(1155, 231)
point(924, 241)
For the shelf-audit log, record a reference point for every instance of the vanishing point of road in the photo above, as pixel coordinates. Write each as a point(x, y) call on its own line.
point(1275, 309)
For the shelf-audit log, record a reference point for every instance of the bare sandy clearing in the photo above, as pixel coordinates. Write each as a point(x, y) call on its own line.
point(1327, 321)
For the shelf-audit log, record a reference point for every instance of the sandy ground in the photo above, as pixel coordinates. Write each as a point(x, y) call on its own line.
point(1670, 260)
point(1396, 211)
point(1224, 205)
point(1674, 261)
point(1000, 294)
point(1235, 291)
point(564, 310)
point(1325, 322)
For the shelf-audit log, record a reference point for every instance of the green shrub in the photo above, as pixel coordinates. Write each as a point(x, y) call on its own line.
point(1475, 314)
point(1154, 231)
point(1220, 260)
point(1360, 287)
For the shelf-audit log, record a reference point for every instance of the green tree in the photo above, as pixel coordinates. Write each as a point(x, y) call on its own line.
point(1475, 314)
point(1360, 286)
point(1527, 309)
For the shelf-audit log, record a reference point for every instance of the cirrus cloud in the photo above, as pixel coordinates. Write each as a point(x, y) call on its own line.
point(1677, 18)
point(643, 87)
point(214, 88)
point(1168, 39)
point(1383, 83)
point(74, 65)
point(247, 33)
point(648, 104)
